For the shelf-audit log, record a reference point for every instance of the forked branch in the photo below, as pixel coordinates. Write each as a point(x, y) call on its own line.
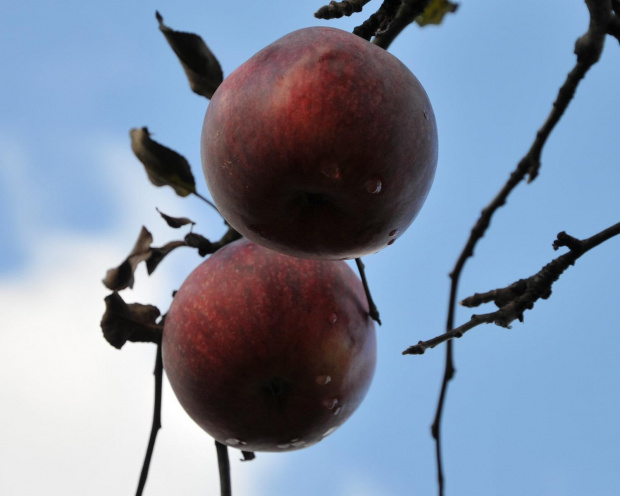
point(588, 49)
point(512, 301)
point(407, 13)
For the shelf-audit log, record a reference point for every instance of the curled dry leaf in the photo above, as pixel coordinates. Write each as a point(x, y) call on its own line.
point(198, 241)
point(175, 222)
point(164, 166)
point(202, 69)
point(134, 322)
point(206, 247)
point(122, 276)
point(248, 456)
point(435, 12)
point(158, 254)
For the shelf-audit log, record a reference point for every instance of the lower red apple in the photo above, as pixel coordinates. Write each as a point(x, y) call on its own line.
point(268, 352)
point(322, 145)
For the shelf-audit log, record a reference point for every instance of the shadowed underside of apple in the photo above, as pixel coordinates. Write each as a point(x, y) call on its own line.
point(322, 145)
point(268, 352)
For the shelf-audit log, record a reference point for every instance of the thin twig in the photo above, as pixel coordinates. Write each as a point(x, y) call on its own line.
point(448, 374)
point(520, 296)
point(588, 49)
point(407, 13)
point(373, 311)
point(224, 465)
point(158, 373)
point(379, 21)
point(335, 10)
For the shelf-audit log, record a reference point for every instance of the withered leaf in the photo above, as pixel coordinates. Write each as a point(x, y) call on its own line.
point(206, 247)
point(248, 456)
point(122, 276)
point(158, 254)
point(134, 322)
point(164, 166)
point(175, 222)
point(195, 240)
point(435, 12)
point(202, 69)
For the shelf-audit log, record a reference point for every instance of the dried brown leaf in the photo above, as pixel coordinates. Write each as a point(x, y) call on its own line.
point(134, 322)
point(164, 166)
point(122, 277)
point(202, 69)
point(158, 254)
point(175, 222)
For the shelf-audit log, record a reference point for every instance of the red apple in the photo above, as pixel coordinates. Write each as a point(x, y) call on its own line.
point(268, 352)
point(322, 145)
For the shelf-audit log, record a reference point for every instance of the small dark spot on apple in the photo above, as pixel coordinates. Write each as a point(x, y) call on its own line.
point(391, 241)
point(276, 387)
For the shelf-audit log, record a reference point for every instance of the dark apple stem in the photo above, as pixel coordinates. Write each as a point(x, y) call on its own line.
point(372, 308)
point(207, 201)
point(224, 466)
point(158, 373)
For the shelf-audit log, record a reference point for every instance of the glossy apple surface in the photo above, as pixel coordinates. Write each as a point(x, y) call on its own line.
point(322, 145)
point(268, 352)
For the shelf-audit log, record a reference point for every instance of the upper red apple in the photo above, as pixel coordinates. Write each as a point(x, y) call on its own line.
point(268, 352)
point(322, 145)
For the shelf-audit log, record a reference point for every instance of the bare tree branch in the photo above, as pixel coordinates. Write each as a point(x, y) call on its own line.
point(158, 373)
point(379, 21)
point(407, 13)
point(520, 296)
point(588, 49)
point(335, 10)
point(614, 25)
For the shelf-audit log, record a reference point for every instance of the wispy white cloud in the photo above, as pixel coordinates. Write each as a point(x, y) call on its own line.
point(74, 412)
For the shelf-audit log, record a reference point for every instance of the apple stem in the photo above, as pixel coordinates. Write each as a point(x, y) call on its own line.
point(158, 373)
point(372, 308)
point(224, 466)
point(207, 201)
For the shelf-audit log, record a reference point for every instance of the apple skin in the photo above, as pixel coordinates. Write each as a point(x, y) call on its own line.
point(322, 145)
point(268, 352)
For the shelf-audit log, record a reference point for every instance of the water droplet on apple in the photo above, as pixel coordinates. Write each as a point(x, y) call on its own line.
point(333, 318)
point(321, 380)
point(329, 431)
point(283, 445)
point(374, 186)
point(233, 442)
point(296, 443)
point(330, 403)
point(426, 115)
point(394, 232)
point(337, 410)
point(391, 241)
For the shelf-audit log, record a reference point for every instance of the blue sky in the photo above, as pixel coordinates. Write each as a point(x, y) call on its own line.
point(532, 410)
